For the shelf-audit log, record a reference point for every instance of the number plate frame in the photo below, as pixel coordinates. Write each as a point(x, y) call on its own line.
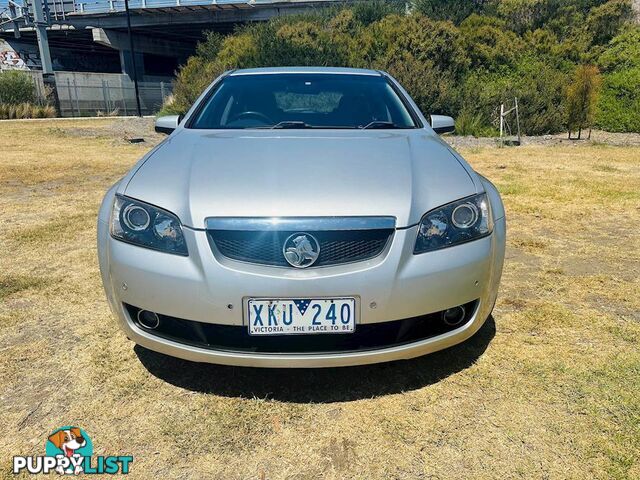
point(248, 302)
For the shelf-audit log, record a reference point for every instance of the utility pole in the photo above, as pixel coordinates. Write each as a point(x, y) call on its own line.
point(133, 59)
point(40, 23)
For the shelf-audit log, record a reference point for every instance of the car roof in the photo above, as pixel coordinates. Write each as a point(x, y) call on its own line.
point(280, 70)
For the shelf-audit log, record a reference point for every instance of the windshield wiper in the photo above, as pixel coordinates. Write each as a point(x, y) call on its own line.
point(380, 124)
point(291, 124)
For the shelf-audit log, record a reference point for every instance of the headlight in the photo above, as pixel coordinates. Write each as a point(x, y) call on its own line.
point(136, 222)
point(454, 223)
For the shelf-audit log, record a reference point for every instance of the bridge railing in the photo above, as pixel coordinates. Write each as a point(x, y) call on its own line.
point(106, 6)
point(59, 9)
point(19, 12)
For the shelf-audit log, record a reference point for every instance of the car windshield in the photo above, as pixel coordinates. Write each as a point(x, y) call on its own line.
point(299, 100)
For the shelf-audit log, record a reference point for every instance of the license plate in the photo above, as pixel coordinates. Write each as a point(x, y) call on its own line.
point(301, 316)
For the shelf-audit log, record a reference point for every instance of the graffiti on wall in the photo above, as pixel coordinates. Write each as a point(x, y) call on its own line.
point(11, 59)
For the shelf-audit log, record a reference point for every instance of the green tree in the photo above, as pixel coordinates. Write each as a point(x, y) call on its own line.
point(582, 96)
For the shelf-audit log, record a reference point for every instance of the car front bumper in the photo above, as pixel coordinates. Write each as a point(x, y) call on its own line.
point(206, 288)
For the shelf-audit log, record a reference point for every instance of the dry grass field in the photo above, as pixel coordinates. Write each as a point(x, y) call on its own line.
point(549, 387)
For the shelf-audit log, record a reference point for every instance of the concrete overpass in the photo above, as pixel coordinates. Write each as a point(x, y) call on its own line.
point(92, 35)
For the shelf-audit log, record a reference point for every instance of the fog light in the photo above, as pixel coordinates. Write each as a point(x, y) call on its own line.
point(453, 316)
point(148, 320)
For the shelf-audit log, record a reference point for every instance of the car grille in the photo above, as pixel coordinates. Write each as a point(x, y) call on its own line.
point(366, 336)
point(265, 247)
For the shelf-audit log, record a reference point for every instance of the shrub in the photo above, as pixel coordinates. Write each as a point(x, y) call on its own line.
point(47, 111)
point(538, 87)
point(619, 105)
point(618, 108)
point(473, 123)
point(523, 15)
point(426, 56)
point(16, 87)
point(605, 21)
point(489, 43)
point(366, 13)
point(192, 79)
point(622, 52)
point(454, 10)
point(500, 49)
point(25, 110)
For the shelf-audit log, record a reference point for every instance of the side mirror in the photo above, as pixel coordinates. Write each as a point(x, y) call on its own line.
point(442, 124)
point(168, 123)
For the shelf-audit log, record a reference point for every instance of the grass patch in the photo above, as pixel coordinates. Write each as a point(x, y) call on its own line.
point(12, 284)
point(59, 230)
point(549, 388)
point(605, 168)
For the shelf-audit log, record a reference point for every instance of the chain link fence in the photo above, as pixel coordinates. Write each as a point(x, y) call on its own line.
point(93, 94)
point(86, 95)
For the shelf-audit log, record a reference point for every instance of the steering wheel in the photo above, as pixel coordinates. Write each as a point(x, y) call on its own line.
point(253, 114)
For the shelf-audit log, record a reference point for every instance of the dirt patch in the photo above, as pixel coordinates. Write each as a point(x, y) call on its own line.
point(121, 130)
point(598, 137)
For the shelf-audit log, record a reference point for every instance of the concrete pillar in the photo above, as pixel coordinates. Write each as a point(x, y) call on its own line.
point(127, 68)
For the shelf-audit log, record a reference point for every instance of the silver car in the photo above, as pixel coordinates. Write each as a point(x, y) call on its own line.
point(301, 217)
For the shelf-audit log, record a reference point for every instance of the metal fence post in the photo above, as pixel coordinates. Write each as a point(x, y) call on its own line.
point(70, 97)
point(104, 96)
point(109, 102)
point(162, 91)
point(123, 93)
point(75, 91)
point(37, 88)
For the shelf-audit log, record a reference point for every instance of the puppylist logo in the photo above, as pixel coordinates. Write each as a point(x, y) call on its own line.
point(69, 450)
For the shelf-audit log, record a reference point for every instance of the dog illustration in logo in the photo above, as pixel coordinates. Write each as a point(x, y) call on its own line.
point(69, 441)
point(302, 253)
